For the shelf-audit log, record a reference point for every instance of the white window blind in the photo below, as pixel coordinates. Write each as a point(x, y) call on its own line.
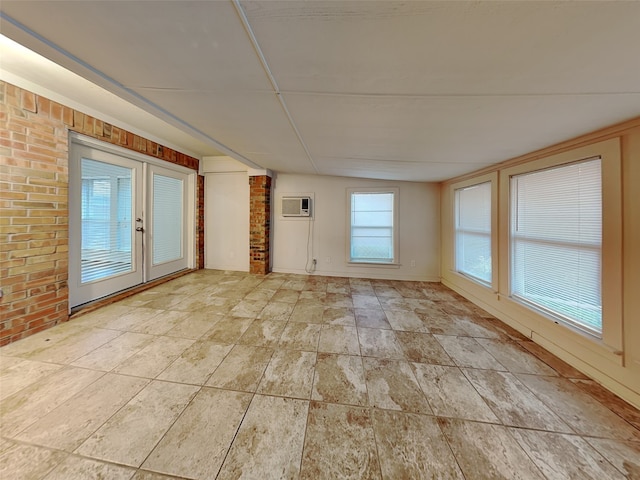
point(372, 227)
point(167, 218)
point(556, 239)
point(473, 231)
point(106, 220)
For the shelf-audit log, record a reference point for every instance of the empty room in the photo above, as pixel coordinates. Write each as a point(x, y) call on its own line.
point(319, 239)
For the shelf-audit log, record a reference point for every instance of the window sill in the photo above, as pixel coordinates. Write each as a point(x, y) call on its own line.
point(351, 263)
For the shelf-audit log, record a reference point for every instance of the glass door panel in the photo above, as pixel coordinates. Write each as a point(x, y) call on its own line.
point(167, 231)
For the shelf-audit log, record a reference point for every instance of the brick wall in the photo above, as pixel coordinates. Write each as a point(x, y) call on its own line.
point(259, 223)
point(34, 205)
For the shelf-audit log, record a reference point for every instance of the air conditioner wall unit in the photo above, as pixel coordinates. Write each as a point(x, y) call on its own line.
point(296, 206)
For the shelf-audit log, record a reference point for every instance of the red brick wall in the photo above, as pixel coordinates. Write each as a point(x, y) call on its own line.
point(259, 223)
point(34, 204)
point(200, 223)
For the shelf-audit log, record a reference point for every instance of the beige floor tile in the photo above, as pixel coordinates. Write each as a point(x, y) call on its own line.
point(338, 300)
point(307, 313)
point(66, 427)
point(23, 373)
point(366, 302)
point(339, 316)
point(24, 408)
point(394, 304)
point(467, 352)
point(379, 343)
point(406, 321)
point(486, 451)
point(155, 357)
point(269, 441)
point(241, 369)
point(111, 354)
point(412, 446)
point(27, 462)
point(289, 374)
point(248, 308)
point(392, 385)
point(196, 364)
point(161, 323)
point(131, 319)
point(361, 289)
point(371, 318)
point(77, 468)
point(339, 379)
point(477, 327)
point(385, 291)
point(195, 324)
point(7, 363)
point(286, 296)
point(262, 294)
point(295, 282)
point(196, 445)
point(614, 403)
point(228, 330)
point(423, 348)
point(513, 403)
point(339, 443)
point(301, 336)
point(564, 456)
point(339, 339)
point(515, 358)
point(147, 475)
point(276, 311)
point(439, 323)
point(262, 333)
point(581, 411)
point(167, 302)
point(563, 368)
point(625, 456)
point(450, 394)
point(130, 435)
point(76, 345)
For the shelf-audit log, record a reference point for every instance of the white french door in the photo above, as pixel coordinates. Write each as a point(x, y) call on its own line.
point(105, 193)
point(129, 221)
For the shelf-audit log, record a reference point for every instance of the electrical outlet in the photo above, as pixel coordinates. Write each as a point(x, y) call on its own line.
point(315, 261)
point(413, 263)
point(327, 260)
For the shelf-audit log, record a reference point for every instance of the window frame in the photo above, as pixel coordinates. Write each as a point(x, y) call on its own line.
point(395, 191)
point(611, 250)
point(491, 178)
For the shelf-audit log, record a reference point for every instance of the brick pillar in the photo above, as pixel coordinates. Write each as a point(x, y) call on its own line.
point(200, 232)
point(259, 223)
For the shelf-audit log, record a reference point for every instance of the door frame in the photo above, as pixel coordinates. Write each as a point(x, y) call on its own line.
point(75, 222)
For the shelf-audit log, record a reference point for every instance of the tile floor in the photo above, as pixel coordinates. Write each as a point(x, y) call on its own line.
point(219, 375)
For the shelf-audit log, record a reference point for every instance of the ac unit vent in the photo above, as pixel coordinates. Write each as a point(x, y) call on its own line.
point(296, 206)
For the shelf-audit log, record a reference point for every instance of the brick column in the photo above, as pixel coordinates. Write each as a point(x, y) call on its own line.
point(259, 222)
point(200, 226)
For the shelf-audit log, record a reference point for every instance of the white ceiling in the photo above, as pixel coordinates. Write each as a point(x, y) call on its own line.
point(420, 91)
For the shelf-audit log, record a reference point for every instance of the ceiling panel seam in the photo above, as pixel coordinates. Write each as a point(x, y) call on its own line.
point(274, 84)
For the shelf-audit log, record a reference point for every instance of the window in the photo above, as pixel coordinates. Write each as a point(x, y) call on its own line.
point(556, 242)
point(473, 231)
point(373, 226)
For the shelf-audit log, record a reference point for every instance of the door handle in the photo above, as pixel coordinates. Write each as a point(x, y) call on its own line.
point(139, 229)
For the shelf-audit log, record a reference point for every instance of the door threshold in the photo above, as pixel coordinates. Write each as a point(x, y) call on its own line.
point(122, 294)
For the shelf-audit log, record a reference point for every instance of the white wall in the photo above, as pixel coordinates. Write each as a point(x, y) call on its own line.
point(419, 228)
point(227, 221)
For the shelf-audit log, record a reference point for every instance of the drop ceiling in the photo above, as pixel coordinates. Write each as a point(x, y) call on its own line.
point(419, 91)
